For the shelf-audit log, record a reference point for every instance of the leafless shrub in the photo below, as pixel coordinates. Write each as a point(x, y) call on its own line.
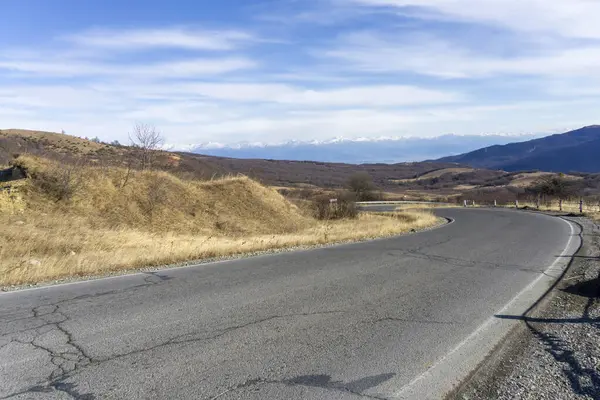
point(147, 140)
point(343, 207)
point(361, 184)
point(59, 183)
point(156, 195)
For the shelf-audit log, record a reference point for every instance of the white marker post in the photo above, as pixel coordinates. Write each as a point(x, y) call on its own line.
point(495, 203)
point(465, 203)
point(517, 203)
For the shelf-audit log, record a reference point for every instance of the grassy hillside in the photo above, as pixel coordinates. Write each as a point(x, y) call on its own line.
point(66, 148)
point(427, 180)
point(81, 219)
point(155, 200)
point(71, 149)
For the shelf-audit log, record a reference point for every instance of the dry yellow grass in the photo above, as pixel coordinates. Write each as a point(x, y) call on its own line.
point(157, 201)
point(37, 249)
point(408, 207)
point(567, 206)
point(105, 226)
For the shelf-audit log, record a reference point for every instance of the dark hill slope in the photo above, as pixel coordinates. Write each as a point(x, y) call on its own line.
point(577, 150)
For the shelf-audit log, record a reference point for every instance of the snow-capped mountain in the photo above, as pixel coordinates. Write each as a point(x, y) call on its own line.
point(359, 150)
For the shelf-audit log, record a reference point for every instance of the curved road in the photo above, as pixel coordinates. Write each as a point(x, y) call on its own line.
point(367, 320)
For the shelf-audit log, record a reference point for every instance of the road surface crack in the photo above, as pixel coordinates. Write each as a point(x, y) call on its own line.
point(68, 357)
point(197, 337)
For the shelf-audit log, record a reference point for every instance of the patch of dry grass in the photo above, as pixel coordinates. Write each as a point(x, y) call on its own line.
point(89, 221)
point(423, 206)
point(38, 248)
point(157, 201)
point(567, 206)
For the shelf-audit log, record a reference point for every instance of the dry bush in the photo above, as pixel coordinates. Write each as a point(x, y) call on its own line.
point(344, 207)
point(59, 183)
point(361, 184)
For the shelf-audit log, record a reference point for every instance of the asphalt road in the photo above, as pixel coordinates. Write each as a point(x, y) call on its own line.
point(345, 322)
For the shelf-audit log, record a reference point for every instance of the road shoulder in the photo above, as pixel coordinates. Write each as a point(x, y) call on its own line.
point(554, 353)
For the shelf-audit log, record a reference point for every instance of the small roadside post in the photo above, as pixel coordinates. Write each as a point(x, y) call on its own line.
point(333, 205)
point(580, 206)
point(560, 204)
point(516, 203)
point(465, 203)
point(495, 203)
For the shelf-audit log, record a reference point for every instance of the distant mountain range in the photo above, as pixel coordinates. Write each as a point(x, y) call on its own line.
point(577, 150)
point(362, 150)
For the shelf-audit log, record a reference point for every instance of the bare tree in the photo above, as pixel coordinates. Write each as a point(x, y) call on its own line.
point(361, 184)
point(147, 139)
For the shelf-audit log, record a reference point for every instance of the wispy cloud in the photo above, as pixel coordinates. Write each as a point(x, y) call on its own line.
point(174, 69)
point(285, 94)
point(373, 52)
point(141, 39)
point(573, 18)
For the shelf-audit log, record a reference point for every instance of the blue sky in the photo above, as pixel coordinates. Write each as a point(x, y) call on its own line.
point(270, 71)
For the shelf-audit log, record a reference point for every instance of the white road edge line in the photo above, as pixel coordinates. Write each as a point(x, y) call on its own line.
point(447, 372)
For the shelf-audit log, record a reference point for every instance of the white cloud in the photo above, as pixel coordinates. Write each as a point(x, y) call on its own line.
point(570, 18)
point(109, 113)
point(284, 94)
point(139, 39)
point(170, 69)
point(368, 84)
point(369, 51)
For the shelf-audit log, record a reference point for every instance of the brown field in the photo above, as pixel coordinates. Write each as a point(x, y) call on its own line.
point(440, 172)
point(529, 178)
point(55, 141)
point(462, 188)
point(85, 220)
point(435, 174)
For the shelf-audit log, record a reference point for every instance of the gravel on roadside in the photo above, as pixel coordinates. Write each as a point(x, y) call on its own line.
point(555, 352)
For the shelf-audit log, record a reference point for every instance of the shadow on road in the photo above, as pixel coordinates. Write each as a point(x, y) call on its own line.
point(325, 382)
point(583, 380)
point(583, 257)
